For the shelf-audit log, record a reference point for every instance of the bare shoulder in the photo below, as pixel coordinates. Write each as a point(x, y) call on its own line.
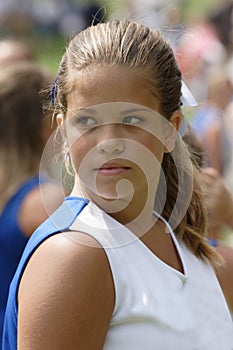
point(225, 274)
point(66, 295)
point(38, 205)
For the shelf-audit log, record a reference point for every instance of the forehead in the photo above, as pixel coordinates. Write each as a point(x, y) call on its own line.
point(99, 85)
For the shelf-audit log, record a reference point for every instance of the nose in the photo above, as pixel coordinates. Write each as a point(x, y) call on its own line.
point(110, 140)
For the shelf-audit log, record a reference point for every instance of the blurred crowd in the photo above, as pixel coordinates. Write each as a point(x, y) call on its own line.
point(24, 17)
point(205, 56)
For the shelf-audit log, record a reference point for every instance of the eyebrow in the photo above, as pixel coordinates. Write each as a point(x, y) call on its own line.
point(93, 111)
point(133, 110)
point(88, 110)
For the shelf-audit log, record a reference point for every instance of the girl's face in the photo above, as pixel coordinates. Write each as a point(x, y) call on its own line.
point(115, 135)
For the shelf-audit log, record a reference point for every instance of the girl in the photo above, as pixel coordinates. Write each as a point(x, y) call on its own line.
point(24, 132)
point(106, 271)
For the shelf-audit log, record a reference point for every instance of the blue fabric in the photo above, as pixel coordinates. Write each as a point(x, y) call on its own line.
point(59, 221)
point(204, 117)
point(12, 241)
point(213, 242)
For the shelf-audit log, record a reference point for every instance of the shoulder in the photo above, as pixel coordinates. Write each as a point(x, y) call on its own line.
point(37, 205)
point(225, 273)
point(67, 286)
point(66, 252)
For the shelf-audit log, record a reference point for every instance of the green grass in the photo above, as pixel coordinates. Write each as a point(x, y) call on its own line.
point(48, 51)
point(196, 9)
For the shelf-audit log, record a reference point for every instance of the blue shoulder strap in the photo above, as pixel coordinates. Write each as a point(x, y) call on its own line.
point(59, 221)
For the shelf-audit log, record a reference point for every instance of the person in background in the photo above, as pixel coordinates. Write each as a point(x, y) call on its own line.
point(219, 204)
point(208, 121)
point(24, 131)
point(228, 124)
point(12, 50)
point(106, 271)
point(219, 200)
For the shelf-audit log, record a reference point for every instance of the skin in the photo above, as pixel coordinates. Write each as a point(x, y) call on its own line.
point(39, 206)
point(219, 203)
point(225, 274)
point(41, 201)
point(220, 94)
point(74, 307)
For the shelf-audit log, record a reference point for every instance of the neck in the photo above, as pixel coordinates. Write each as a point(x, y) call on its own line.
point(135, 211)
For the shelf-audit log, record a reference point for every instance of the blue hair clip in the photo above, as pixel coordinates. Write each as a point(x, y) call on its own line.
point(213, 242)
point(53, 91)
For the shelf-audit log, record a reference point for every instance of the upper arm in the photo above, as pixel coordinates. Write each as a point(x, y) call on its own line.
point(213, 146)
point(66, 297)
point(37, 206)
point(225, 274)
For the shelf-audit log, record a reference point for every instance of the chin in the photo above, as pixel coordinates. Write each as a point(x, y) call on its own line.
point(110, 196)
point(112, 204)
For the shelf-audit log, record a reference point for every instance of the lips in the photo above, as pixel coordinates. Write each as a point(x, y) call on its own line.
point(112, 168)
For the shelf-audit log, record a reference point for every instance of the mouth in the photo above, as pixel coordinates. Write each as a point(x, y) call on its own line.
point(111, 169)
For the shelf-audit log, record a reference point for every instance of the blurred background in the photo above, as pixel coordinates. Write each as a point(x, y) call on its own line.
point(200, 32)
point(47, 24)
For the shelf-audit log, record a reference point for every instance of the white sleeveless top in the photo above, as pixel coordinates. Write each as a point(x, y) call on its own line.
point(156, 306)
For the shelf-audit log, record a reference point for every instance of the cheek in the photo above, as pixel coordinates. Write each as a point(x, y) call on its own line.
point(79, 150)
point(157, 148)
point(152, 144)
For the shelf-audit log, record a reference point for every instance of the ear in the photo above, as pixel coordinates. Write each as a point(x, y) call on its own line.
point(175, 119)
point(62, 130)
point(61, 124)
point(172, 130)
point(60, 120)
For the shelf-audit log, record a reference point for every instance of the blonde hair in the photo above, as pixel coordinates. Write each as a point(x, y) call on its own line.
point(21, 118)
point(126, 43)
